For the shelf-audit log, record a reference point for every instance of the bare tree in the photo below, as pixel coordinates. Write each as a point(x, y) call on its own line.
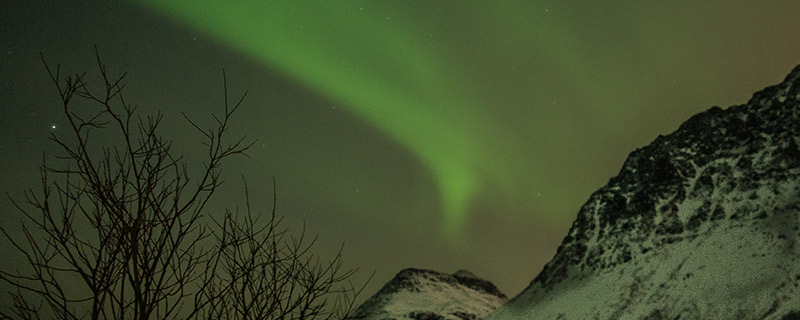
point(121, 233)
point(260, 272)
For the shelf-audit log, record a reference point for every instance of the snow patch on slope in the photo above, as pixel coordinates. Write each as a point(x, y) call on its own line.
point(762, 257)
point(423, 294)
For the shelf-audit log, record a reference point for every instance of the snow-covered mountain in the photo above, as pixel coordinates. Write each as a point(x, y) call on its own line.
point(702, 223)
point(430, 295)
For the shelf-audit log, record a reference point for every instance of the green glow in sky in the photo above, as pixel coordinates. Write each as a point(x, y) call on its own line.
point(485, 123)
point(385, 69)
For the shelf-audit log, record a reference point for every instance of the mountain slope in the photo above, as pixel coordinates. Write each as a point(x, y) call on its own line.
point(701, 223)
point(428, 295)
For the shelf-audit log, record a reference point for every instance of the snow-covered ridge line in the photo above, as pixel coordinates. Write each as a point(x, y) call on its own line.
point(701, 223)
point(424, 294)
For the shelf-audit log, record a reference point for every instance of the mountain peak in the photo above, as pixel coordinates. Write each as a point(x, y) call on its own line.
point(466, 274)
point(424, 294)
point(701, 223)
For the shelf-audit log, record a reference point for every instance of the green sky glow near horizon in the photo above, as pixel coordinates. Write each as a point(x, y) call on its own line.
point(384, 69)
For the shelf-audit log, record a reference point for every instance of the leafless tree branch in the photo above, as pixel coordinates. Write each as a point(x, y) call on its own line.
point(121, 231)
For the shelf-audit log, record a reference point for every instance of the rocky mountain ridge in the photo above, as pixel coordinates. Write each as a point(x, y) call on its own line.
point(701, 223)
point(429, 295)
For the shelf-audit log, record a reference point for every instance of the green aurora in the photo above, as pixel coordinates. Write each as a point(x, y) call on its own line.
point(389, 71)
point(440, 135)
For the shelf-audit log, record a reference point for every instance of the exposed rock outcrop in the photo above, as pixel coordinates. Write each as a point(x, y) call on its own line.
point(702, 223)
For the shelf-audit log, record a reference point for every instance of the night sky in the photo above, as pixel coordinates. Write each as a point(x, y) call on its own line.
point(433, 134)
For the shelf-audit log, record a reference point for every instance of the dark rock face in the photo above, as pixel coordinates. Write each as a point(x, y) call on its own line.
point(429, 295)
point(722, 189)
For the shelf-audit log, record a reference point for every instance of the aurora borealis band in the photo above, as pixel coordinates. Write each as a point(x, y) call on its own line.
point(429, 134)
point(388, 72)
point(388, 69)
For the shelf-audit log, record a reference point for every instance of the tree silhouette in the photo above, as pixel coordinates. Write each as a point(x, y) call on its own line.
point(119, 231)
